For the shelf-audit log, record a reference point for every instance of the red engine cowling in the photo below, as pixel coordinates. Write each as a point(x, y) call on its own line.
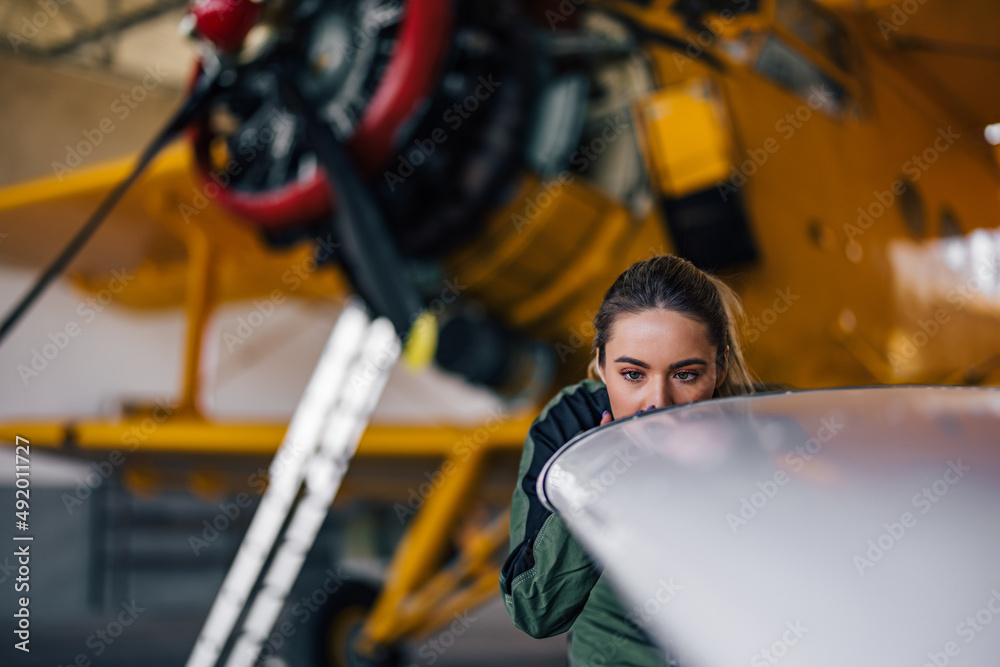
point(409, 77)
point(225, 23)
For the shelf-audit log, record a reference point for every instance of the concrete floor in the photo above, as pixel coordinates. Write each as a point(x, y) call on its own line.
point(110, 587)
point(157, 641)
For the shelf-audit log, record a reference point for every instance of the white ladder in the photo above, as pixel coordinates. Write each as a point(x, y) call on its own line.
point(321, 439)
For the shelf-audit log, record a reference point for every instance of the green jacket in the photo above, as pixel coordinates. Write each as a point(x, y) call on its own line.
point(549, 583)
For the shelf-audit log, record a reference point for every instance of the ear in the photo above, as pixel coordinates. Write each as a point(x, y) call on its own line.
point(595, 367)
point(725, 369)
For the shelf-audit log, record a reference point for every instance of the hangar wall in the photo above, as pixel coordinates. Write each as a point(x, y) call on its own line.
point(47, 107)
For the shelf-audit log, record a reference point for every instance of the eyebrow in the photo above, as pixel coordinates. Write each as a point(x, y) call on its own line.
point(693, 361)
point(683, 362)
point(630, 360)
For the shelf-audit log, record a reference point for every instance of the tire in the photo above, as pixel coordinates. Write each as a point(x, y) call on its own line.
point(341, 621)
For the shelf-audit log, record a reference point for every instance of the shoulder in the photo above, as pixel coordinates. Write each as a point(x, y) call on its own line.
point(572, 410)
point(583, 390)
point(575, 408)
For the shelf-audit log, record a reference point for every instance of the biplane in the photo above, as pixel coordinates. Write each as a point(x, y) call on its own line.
point(479, 173)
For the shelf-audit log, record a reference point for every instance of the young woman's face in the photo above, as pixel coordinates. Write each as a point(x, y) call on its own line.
point(658, 358)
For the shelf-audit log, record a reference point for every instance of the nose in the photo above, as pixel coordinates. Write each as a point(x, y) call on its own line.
point(660, 395)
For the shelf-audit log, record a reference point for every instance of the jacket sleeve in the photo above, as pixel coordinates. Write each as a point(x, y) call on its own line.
point(547, 577)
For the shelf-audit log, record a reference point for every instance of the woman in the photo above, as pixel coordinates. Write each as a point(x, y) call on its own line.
point(665, 334)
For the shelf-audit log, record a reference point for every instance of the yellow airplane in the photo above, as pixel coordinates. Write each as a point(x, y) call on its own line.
point(828, 159)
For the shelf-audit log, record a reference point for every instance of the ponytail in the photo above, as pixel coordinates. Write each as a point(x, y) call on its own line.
point(739, 378)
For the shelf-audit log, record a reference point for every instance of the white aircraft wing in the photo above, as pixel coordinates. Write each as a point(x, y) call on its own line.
point(855, 526)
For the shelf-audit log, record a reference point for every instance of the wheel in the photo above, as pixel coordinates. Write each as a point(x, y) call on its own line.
point(340, 625)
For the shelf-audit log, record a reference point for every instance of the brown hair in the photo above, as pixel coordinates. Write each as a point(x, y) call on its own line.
point(674, 283)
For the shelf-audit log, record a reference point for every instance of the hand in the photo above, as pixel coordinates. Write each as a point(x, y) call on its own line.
point(606, 418)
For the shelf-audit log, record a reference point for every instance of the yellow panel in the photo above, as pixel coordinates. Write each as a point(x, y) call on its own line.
point(685, 138)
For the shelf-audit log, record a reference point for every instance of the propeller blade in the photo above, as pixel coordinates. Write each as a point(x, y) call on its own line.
point(369, 254)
